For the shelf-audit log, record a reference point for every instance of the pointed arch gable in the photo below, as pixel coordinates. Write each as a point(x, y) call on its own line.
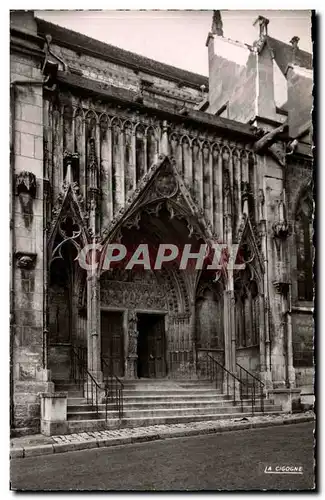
point(162, 182)
point(247, 237)
point(68, 203)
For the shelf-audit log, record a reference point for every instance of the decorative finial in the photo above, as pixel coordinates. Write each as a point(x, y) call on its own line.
point(294, 42)
point(262, 22)
point(217, 27)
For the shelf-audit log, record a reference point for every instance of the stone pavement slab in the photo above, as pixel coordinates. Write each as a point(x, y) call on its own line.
point(27, 446)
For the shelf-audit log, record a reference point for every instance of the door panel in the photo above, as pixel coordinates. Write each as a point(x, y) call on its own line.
point(151, 347)
point(112, 336)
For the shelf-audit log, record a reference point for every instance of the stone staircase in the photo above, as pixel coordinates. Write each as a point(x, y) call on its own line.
point(159, 401)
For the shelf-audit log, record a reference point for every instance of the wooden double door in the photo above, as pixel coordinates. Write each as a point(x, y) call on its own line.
point(151, 346)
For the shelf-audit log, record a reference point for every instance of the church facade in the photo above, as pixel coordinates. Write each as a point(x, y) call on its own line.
point(108, 147)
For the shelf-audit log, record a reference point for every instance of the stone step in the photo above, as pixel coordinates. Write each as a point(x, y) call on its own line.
point(73, 394)
point(164, 382)
point(169, 412)
point(175, 398)
point(163, 405)
point(94, 425)
point(153, 401)
point(169, 392)
point(148, 400)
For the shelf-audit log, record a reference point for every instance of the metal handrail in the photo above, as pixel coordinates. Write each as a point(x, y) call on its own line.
point(251, 374)
point(243, 383)
point(84, 376)
point(250, 377)
point(115, 394)
point(233, 379)
point(223, 367)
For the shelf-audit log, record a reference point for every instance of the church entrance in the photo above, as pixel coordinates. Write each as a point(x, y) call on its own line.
point(151, 346)
point(112, 336)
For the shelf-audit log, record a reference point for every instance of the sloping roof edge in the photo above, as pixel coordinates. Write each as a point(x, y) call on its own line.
point(283, 54)
point(74, 40)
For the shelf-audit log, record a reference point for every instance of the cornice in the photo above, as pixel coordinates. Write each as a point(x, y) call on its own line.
point(164, 109)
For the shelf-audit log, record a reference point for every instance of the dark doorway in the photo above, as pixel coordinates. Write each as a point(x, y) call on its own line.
point(151, 346)
point(112, 343)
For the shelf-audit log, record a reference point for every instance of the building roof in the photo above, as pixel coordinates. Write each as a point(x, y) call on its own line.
point(283, 54)
point(73, 40)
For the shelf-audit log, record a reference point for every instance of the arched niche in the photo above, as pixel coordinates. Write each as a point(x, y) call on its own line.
point(209, 316)
point(303, 228)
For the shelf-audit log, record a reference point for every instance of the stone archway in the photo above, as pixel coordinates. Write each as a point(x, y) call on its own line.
point(161, 210)
point(161, 293)
point(247, 320)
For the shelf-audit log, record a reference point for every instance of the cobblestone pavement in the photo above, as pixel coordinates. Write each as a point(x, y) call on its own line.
point(162, 430)
point(158, 429)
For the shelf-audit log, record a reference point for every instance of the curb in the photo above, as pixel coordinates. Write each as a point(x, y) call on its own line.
point(49, 449)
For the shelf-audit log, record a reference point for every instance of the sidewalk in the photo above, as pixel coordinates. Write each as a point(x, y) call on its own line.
point(37, 444)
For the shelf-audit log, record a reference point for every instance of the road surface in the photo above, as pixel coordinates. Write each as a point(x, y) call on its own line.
point(233, 460)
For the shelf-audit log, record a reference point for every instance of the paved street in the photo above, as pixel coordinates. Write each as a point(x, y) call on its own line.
point(234, 460)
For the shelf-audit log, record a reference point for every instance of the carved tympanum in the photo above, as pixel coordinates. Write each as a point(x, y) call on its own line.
point(166, 183)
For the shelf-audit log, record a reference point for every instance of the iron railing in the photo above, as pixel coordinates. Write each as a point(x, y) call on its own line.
point(84, 379)
point(223, 378)
point(113, 389)
point(251, 387)
point(244, 387)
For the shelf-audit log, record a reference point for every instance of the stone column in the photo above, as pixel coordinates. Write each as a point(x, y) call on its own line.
point(192, 331)
point(262, 333)
point(291, 370)
point(230, 328)
point(93, 282)
point(279, 233)
point(134, 158)
point(93, 325)
point(132, 343)
point(145, 156)
point(106, 185)
point(219, 196)
point(164, 147)
point(237, 182)
point(197, 172)
point(188, 165)
point(209, 207)
point(80, 141)
point(245, 183)
point(121, 172)
point(57, 154)
point(216, 175)
point(265, 307)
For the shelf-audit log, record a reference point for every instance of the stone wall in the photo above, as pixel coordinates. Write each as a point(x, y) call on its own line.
point(29, 376)
point(249, 358)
